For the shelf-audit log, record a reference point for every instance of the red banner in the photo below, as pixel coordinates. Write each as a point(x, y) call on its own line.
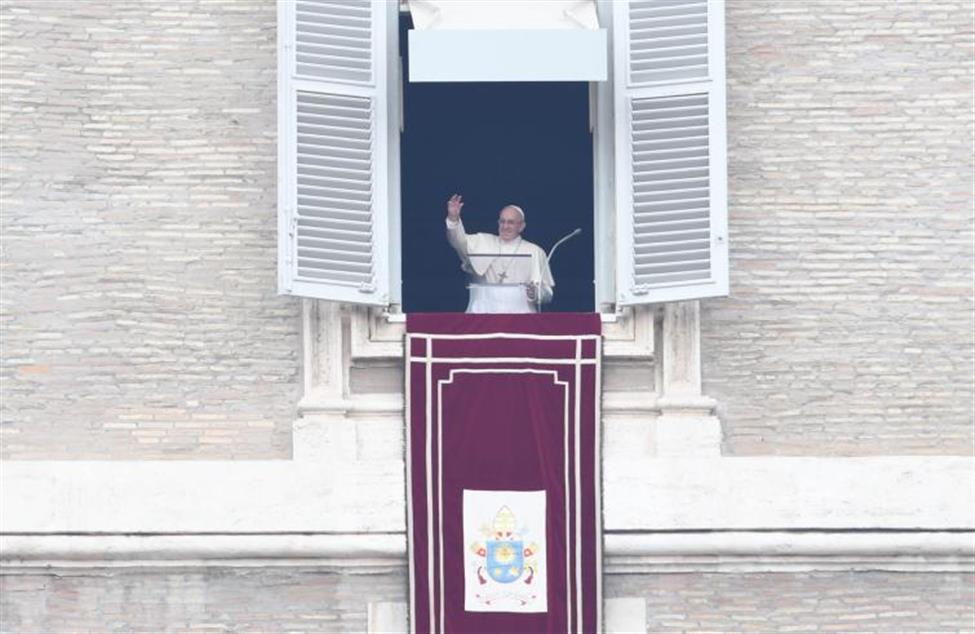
point(503, 477)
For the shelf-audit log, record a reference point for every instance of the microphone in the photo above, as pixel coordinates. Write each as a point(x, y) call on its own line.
point(551, 252)
point(548, 258)
point(573, 234)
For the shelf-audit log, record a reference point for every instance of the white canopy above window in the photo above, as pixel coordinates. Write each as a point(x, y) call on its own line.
point(506, 40)
point(503, 14)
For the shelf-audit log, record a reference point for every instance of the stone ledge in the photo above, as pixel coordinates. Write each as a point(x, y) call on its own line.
point(353, 489)
point(623, 402)
point(625, 553)
point(375, 334)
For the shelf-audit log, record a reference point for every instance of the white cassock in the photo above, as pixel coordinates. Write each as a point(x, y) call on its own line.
point(499, 271)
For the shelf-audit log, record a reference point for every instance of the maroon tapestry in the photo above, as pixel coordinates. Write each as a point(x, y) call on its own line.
point(503, 475)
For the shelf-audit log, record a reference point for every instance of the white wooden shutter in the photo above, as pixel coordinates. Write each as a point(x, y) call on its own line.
point(671, 174)
point(333, 150)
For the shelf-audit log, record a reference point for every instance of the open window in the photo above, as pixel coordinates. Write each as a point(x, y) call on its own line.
point(658, 187)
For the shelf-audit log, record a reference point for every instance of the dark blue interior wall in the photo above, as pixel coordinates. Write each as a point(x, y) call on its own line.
point(495, 144)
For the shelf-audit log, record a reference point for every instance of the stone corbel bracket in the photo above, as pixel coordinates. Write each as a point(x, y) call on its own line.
point(687, 425)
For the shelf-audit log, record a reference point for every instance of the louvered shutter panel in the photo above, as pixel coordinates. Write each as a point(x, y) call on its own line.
point(671, 175)
point(332, 156)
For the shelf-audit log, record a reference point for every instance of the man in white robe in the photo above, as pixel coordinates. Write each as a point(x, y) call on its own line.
point(508, 273)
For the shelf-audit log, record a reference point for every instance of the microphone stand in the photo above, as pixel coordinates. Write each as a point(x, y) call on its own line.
point(548, 260)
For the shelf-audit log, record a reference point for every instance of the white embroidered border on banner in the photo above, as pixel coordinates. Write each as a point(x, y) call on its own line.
point(428, 360)
point(565, 449)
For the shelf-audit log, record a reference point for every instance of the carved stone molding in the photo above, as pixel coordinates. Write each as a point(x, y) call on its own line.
point(626, 553)
point(375, 334)
point(335, 336)
point(338, 336)
point(379, 335)
point(687, 425)
point(630, 335)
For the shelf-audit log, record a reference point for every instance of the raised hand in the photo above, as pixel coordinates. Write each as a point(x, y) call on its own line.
point(454, 204)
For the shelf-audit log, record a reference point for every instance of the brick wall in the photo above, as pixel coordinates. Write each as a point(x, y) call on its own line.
point(139, 309)
point(195, 600)
point(313, 600)
point(849, 330)
point(803, 602)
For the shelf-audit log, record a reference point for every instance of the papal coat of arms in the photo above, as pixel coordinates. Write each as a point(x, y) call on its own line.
point(504, 564)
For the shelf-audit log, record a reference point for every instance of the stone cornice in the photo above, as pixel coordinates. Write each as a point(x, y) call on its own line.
point(345, 484)
point(625, 553)
point(624, 402)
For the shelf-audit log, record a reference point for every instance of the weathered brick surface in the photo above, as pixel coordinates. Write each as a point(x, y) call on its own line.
point(313, 600)
point(849, 330)
point(803, 602)
point(139, 309)
point(197, 600)
point(139, 312)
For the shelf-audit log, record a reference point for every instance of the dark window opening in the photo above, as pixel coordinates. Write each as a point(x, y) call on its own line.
point(526, 144)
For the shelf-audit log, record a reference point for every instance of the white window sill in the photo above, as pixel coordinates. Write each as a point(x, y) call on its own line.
point(400, 318)
point(628, 334)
